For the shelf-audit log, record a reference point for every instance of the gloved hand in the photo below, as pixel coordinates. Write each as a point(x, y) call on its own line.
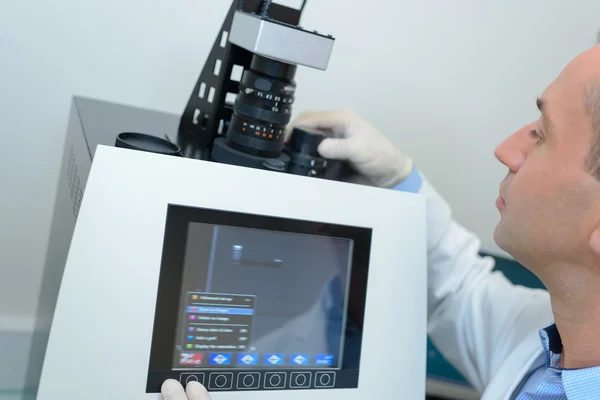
point(172, 390)
point(354, 140)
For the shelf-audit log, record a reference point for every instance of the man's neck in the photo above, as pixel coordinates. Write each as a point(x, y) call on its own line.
point(576, 308)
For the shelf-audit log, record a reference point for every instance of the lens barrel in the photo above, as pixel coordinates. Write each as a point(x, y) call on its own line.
point(262, 108)
point(261, 111)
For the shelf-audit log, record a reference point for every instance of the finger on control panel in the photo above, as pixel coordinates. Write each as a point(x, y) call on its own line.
point(195, 391)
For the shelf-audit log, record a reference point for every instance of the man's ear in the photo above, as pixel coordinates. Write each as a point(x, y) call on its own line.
point(595, 241)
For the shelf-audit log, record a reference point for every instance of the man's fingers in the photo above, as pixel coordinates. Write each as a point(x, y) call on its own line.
point(335, 121)
point(195, 391)
point(334, 149)
point(172, 390)
point(338, 149)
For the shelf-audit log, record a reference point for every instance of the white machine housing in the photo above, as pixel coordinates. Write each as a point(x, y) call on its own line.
point(101, 334)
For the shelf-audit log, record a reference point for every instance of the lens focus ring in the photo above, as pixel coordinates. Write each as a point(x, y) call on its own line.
point(255, 143)
point(261, 114)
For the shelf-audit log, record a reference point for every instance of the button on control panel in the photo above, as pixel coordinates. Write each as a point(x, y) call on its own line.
point(248, 380)
point(275, 380)
point(324, 379)
point(185, 378)
point(220, 381)
point(300, 380)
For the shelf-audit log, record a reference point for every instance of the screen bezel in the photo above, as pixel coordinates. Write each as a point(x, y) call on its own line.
point(171, 272)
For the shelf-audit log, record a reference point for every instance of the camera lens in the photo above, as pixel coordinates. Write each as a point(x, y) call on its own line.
point(262, 108)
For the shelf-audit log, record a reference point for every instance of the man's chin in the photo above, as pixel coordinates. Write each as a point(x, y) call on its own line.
point(500, 237)
point(508, 243)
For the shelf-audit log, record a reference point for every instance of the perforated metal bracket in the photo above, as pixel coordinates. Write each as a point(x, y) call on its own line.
point(210, 105)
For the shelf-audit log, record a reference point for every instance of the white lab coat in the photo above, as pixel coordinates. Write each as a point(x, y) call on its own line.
point(485, 326)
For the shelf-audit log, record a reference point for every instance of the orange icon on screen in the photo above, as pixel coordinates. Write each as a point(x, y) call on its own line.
point(194, 297)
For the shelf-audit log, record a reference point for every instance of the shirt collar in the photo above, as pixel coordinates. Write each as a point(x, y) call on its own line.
point(577, 383)
point(552, 344)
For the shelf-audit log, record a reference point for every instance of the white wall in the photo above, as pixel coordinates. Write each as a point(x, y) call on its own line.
point(446, 80)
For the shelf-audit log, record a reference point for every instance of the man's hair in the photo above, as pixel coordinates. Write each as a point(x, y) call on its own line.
point(593, 108)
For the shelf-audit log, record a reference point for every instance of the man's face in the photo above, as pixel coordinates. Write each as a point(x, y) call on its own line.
point(549, 203)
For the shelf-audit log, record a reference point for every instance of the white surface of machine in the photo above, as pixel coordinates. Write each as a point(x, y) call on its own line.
point(250, 281)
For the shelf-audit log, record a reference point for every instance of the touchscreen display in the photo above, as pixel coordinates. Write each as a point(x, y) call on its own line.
point(252, 298)
point(255, 302)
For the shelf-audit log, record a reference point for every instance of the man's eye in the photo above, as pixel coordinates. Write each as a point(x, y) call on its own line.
point(534, 134)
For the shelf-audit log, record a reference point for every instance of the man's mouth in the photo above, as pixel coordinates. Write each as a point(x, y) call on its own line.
point(500, 203)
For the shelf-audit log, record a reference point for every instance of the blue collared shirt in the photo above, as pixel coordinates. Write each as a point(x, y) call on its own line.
point(551, 382)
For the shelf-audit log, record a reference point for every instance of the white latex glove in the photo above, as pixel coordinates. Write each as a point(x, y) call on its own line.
point(358, 143)
point(173, 390)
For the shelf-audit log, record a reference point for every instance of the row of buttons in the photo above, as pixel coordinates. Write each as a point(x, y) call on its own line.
point(271, 380)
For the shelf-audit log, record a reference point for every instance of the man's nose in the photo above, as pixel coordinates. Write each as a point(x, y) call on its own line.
point(513, 151)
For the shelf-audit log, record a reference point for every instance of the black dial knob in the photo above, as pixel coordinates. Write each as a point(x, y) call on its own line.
point(305, 141)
